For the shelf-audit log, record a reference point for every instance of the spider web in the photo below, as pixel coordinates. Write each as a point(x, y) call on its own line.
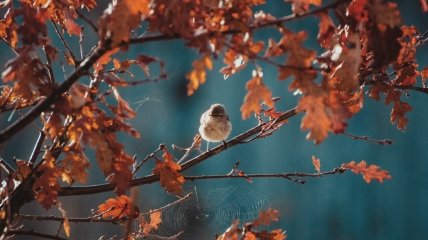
point(211, 211)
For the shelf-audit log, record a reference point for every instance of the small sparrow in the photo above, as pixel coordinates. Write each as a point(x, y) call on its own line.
point(215, 125)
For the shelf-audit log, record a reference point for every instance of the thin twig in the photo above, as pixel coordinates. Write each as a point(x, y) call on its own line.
point(87, 20)
point(6, 167)
point(289, 176)
point(366, 138)
point(151, 155)
point(64, 42)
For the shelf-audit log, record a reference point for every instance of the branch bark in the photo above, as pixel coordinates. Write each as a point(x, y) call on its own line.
point(27, 118)
point(240, 139)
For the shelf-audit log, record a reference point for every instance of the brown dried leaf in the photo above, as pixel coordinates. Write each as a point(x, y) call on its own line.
point(257, 93)
point(266, 217)
point(369, 172)
point(198, 75)
point(168, 171)
point(317, 163)
point(155, 220)
point(119, 207)
point(121, 18)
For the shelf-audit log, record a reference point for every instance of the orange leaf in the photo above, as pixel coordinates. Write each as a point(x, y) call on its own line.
point(104, 59)
point(257, 93)
point(266, 217)
point(424, 5)
point(369, 172)
point(198, 75)
point(123, 109)
point(72, 27)
point(155, 220)
point(46, 186)
point(119, 207)
point(232, 233)
point(23, 170)
point(316, 119)
point(317, 163)
point(300, 6)
point(66, 222)
point(122, 17)
point(168, 171)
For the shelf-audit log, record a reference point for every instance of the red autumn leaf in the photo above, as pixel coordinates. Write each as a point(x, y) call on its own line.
point(72, 27)
point(155, 219)
point(122, 18)
point(357, 10)
point(424, 5)
point(326, 30)
point(277, 234)
point(198, 75)
point(22, 171)
point(257, 93)
point(301, 6)
point(317, 163)
point(299, 61)
point(168, 171)
point(77, 164)
point(123, 109)
point(266, 217)
point(369, 172)
point(46, 186)
point(424, 75)
point(119, 207)
point(104, 59)
point(316, 119)
point(232, 233)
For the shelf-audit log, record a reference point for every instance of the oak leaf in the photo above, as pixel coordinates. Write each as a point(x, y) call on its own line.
point(118, 207)
point(232, 232)
point(257, 94)
point(266, 217)
point(317, 164)
point(301, 6)
point(168, 171)
point(316, 119)
point(46, 187)
point(121, 18)
point(369, 172)
point(155, 220)
point(198, 75)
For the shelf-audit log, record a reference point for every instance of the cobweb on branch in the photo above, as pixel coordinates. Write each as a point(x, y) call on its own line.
point(210, 211)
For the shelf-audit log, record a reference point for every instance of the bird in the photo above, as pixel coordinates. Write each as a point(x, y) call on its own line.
point(215, 125)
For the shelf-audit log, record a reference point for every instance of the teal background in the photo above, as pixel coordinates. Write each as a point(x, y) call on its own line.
point(332, 207)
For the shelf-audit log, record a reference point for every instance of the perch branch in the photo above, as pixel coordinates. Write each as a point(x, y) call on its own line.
point(92, 189)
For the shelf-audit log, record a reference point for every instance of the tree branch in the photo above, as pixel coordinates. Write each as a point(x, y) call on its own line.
point(255, 26)
point(27, 118)
point(289, 176)
point(92, 189)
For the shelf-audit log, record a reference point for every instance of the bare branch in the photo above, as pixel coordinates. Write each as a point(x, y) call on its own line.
point(289, 176)
point(366, 138)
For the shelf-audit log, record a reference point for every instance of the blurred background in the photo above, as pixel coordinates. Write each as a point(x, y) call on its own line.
point(333, 207)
